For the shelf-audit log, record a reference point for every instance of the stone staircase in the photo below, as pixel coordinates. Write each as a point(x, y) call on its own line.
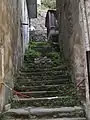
point(46, 89)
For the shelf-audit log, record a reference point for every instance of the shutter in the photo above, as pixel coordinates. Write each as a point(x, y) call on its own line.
point(32, 8)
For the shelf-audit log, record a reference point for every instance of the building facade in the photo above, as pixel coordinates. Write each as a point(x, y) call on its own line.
point(14, 37)
point(74, 41)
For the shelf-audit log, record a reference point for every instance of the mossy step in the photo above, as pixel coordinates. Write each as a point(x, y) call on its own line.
point(28, 82)
point(66, 118)
point(42, 49)
point(44, 77)
point(31, 69)
point(43, 65)
point(65, 89)
point(40, 94)
point(43, 68)
point(46, 102)
point(43, 73)
point(38, 44)
point(34, 118)
point(46, 113)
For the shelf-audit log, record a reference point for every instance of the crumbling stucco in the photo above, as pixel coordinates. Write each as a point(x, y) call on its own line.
point(74, 39)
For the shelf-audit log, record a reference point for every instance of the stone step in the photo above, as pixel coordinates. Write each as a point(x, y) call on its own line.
point(28, 82)
point(39, 44)
point(44, 73)
point(31, 69)
point(43, 49)
point(40, 94)
point(29, 65)
point(42, 77)
point(47, 113)
point(56, 87)
point(78, 118)
point(46, 102)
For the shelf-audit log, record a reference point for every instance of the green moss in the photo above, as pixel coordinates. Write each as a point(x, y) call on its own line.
point(38, 44)
point(32, 44)
point(56, 57)
point(53, 55)
point(31, 54)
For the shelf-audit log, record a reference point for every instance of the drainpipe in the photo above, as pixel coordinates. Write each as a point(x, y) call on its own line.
point(87, 46)
point(2, 54)
point(2, 93)
point(87, 25)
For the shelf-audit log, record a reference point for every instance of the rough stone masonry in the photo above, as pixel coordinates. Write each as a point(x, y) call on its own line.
point(74, 28)
point(39, 33)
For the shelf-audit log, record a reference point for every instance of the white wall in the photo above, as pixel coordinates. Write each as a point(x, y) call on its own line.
point(39, 2)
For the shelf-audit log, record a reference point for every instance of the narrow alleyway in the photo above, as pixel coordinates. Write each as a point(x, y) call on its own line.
point(44, 85)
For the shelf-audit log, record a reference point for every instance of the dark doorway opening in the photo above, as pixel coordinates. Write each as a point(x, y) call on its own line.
point(88, 66)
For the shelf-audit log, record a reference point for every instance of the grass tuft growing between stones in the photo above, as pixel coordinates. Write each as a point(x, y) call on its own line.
point(56, 58)
point(30, 55)
point(36, 50)
point(38, 44)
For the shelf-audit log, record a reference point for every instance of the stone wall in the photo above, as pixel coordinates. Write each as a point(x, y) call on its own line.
point(72, 41)
point(39, 31)
point(10, 45)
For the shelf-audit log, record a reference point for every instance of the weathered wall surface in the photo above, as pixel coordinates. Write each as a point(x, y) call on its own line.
point(10, 44)
point(72, 39)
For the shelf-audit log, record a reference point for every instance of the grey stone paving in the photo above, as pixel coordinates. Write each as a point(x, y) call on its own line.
point(41, 111)
point(40, 32)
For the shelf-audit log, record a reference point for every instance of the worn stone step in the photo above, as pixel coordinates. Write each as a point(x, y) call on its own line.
point(31, 69)
point(40, 71)
point(44, 77)
point(43, 49)
point(49, 73)
point(44, 73)
point(78, 118)
point(40, 94)
point(29, 65)
point(28, 82)
point(46, 102)
point(57, 87)
point(39, 43)
point(48, 64)
point(40, 112)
